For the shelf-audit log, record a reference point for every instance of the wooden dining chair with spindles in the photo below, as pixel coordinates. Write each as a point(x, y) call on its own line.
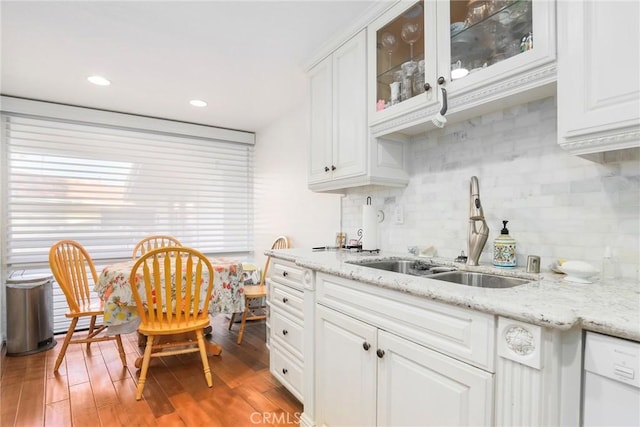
point(72, 267)
point(172, 291)
point(255, 295)
point(150, 243)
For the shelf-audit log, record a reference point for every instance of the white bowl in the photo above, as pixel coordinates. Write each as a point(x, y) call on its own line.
point(578, 271)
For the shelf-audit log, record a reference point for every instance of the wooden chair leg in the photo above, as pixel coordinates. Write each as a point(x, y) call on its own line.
point(145, 366)
point(244, 321)
point(203, 356)
point(233, 317)
point(121, 350)
point(92, 326)
point(65, 344)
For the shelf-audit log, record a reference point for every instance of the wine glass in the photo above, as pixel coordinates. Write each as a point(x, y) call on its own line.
point(410, 34)
point(390, 44)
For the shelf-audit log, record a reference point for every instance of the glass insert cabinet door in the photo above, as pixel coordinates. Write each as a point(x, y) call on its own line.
point(486, 32)
point(400, 56)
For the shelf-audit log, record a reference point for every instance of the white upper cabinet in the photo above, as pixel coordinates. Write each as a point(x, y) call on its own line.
point(320, 148)
point(598, 75)
point(341, 153)
point(402, 63)
point(479, 51)
point(338, 115)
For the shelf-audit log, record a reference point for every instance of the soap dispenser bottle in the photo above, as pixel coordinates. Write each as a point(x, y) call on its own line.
point(504, 248)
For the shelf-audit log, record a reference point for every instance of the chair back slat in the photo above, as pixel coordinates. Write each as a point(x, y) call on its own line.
point(168, 276)
point(174, 285)
point(79, 275)
point(198, 289)
point(150, 243)
point(71, 265)
point(181, 300)
point(281, 242)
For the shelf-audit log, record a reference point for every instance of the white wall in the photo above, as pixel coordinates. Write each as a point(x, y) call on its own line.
point(3, 288)
point(558, 205)
point(284, 205)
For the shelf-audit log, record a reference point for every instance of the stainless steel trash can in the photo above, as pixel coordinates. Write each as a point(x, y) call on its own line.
point(29, 315)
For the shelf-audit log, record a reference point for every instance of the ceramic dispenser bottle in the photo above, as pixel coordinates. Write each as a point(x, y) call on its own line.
point(504, 248)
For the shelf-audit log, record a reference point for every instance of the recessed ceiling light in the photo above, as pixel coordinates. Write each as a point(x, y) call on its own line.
point(99, 80)
point(198, 103)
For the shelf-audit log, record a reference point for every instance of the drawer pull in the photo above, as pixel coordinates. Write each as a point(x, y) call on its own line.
point(284, 371)
point(285, 299)
point(285, 274)
point(326, 168)
point(285, 332)
point(366, 346)
point(380, 353)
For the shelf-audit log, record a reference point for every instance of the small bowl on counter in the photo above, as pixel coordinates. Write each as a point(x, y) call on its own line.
point(578, 271)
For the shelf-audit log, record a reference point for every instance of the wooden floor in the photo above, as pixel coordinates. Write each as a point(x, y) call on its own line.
point(92, 388)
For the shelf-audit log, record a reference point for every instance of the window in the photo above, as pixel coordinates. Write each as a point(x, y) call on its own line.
point(107, 186)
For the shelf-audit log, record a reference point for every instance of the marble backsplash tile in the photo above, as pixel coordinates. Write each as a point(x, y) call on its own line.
point(558, 205)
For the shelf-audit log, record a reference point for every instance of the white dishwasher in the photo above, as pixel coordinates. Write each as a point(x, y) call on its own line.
point(611, 388)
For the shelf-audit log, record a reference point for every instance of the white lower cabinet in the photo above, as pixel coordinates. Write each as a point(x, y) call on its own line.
point(538, 375)
point(357, 354)
point(286, 325)
point(345, 370)
point(366, 376)
point(417, 385)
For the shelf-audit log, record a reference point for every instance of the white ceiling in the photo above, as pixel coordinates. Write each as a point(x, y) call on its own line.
point(245, 58)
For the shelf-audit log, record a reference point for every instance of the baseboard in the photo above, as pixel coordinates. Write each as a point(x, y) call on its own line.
point(3, 358)
point(306, 421)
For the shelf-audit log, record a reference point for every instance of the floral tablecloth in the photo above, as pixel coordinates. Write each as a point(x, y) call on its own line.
point(114, 290)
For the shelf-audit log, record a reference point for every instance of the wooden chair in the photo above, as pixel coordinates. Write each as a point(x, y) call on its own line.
point(257, 293)
point(157, 310)
point(150, 243)
point(69, 263)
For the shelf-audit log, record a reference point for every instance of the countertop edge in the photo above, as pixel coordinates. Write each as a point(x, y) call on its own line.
point(547, 301)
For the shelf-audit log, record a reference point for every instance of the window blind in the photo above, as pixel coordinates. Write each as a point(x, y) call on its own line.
point(107, 187)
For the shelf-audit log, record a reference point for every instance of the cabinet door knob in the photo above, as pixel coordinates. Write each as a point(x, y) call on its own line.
point(427, 87)
point(333, 167)
point(441, 80)
point(285, 332)
point(366, 346)
point(285, 299)
point(380, 353)
point(284, 371)
point(285, 274)
point(326, 169)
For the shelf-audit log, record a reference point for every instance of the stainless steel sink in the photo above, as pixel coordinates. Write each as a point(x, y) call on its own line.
point(448, 274)
point(480, 280)
point(404, 266)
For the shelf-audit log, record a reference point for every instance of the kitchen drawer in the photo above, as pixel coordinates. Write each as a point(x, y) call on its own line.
point(284, 366)
point(288, 299)
point(464, 334)
point(286, 273)
point(289, 332)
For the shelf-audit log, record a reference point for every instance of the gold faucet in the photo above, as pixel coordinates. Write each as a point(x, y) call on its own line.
point(477, 235)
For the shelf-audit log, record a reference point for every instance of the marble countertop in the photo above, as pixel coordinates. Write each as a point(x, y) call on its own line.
point(548, 300)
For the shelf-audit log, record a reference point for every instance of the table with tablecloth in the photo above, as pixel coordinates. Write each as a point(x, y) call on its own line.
point(121, 314)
